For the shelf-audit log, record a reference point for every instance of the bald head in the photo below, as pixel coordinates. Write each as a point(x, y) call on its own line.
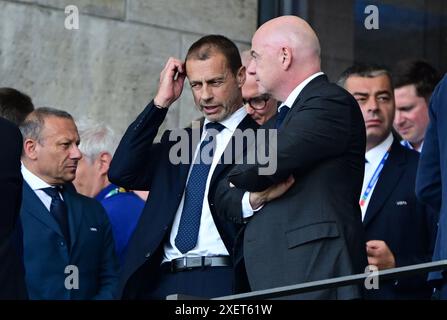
point(289, 48)
point(290, 31)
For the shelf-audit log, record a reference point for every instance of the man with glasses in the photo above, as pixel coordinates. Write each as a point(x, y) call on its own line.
point(261, 107)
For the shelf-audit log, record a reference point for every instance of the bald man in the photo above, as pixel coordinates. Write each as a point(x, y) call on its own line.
point(314, 230)
point(261, 107)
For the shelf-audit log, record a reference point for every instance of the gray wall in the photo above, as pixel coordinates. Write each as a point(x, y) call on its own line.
point(109, 68)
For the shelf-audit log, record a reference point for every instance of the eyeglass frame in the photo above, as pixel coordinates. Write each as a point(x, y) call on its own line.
point(262, 99)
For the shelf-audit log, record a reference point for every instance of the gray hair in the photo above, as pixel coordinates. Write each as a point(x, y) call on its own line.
point(32, 127)
point(95, 139)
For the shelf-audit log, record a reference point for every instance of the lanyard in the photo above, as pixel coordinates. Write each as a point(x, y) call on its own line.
point(374, 179)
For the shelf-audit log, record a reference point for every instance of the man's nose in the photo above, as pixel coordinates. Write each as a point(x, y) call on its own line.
point(249, 109)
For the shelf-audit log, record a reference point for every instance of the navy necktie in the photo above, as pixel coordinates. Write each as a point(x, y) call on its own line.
point(281, 115)
point(188, 229)
point(58, 210)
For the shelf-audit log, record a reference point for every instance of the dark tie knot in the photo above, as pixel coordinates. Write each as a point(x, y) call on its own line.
point(215, 126)
point(281, 115)
point(53, 192)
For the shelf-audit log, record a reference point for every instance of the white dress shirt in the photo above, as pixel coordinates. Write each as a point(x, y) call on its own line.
point(209, 242)
point(408, 145)
point(374, 157)
point(37, 185)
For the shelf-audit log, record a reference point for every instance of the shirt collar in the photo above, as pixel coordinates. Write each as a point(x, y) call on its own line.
point(295, 93)
point(102, 194)
point(375, 155)
point(33, 181)
point(233, 120)
point(407, 144)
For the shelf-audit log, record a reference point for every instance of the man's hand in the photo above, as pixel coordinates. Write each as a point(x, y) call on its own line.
point(258, 199)
point(172, 78)
point(380, 255)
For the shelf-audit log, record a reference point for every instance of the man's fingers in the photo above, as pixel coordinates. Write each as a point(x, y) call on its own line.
point(375, 244)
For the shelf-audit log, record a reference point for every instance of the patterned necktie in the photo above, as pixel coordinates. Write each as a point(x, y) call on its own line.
point(281, 115)
point(58, 210)
point(188, 229)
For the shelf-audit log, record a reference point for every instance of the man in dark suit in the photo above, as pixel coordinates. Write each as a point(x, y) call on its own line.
point(12, 281)
point(399, 229)
point(314, 230)
point(180, 245)
point(431, 182)
point(68, 245)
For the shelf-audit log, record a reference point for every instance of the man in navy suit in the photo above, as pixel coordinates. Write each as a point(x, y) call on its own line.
point(180, 244)
point(399, 229)
point(68, 244)
point(431, 182)
point(12, 280)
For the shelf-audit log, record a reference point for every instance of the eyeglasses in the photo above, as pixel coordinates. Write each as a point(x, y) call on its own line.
point(257, 103)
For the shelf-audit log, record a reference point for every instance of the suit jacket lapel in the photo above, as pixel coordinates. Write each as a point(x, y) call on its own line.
point(35, 207)
point(390, 176)
point(75, 212)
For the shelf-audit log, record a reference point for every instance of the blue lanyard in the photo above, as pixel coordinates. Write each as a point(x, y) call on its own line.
point(374, 178)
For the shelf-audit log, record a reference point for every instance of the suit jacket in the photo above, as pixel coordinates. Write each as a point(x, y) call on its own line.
point(12, 281)
point(47, 256)
point(431, 181)
point(149, 168)
point(395, 216)
point(314, 231)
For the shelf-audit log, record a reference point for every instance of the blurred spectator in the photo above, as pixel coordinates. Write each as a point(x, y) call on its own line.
point(98, 144)
point(261, 107)
point(431, 184)
point(12, 274)
point(414, 82)
point(14, 105)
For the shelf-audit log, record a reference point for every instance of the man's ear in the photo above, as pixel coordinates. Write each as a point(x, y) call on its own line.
point(104, 161)
point(240, 76)
point(30, 149)
point(285, 57)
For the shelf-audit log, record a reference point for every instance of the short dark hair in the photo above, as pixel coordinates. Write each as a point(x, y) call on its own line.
point(32, 127)
point(419, 73)
point(208, 45)
point(15, 105)
point(365, 70)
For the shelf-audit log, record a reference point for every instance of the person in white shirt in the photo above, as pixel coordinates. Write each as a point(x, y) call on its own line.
point(399, 230)
point(181, 245)
point(68, 246)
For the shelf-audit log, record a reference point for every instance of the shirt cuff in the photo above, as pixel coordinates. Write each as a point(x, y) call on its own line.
point(247, 210)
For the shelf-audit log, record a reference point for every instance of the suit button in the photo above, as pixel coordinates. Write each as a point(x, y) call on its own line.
point(148, 255)
point(61, 243)
point(165, 228)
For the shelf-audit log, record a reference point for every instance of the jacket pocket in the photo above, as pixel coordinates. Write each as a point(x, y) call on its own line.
point(311, 232)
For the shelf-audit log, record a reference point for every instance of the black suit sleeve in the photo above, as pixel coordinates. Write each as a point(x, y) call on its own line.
point(10, 177)
point(136, 156)
point(228, 201)
point(12, 281)
point(317, 129)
